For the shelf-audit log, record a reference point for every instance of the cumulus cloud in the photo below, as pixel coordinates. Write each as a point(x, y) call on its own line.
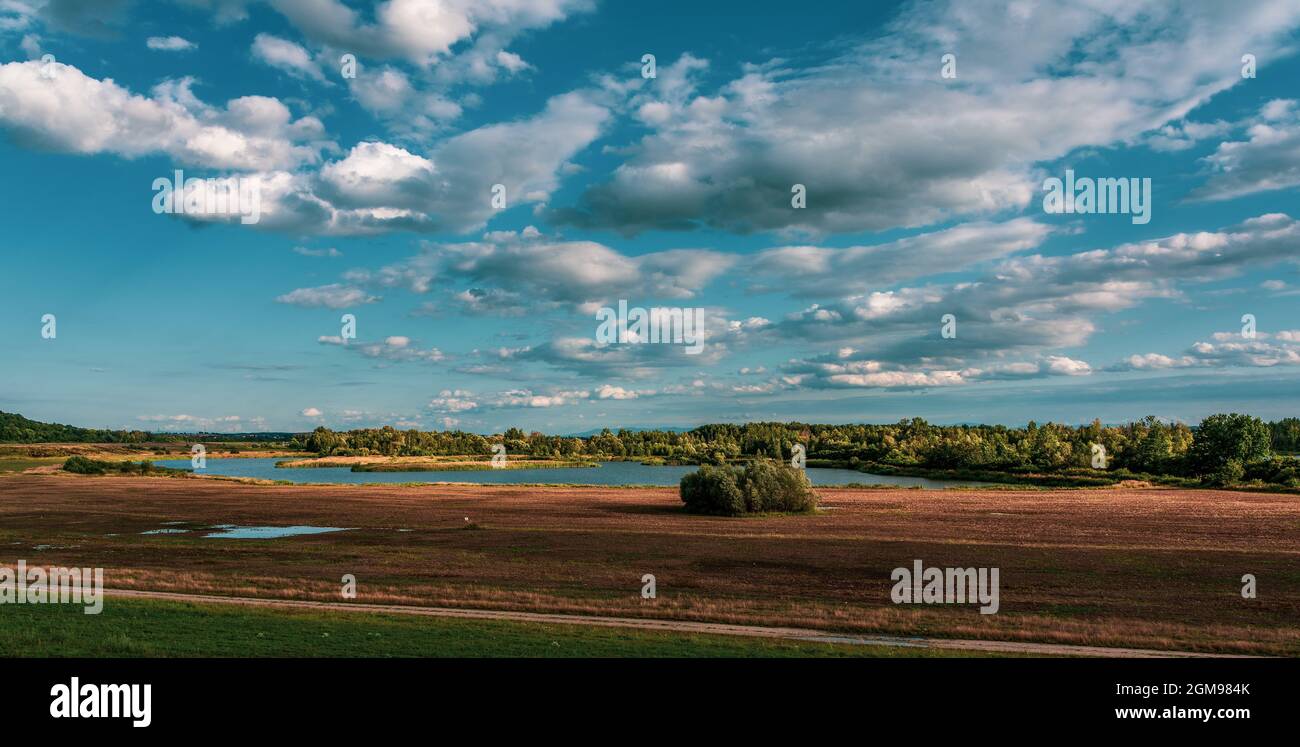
point(1229, 350)
point(74, 113)
point(192, 423)
point(454, 183)
point(424, 32)
point(1267, 160)
point(379, 187)
point(170, 44)
point(376, 187)
point(526, 398)
point(286, 56)
point(880, 141)
point(332, 296)
point(454, 400)
point(584, 356)
point(389, 95)
point(1031, 302)
point(616, 392)
point(853, 369)
point(507, 272)
point(818, 271)
point(395, 348)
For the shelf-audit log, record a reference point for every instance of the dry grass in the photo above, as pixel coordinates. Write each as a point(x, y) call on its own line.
point(1146, 568)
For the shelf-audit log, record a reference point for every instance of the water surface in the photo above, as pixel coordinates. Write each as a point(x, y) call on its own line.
point(606, 473)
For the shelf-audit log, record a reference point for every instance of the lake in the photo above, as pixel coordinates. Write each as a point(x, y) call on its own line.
point(607, 473)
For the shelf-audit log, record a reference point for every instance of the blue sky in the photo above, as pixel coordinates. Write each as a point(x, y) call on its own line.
point(924, 198)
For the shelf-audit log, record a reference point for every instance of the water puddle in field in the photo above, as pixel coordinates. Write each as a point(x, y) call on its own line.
point(233, 531)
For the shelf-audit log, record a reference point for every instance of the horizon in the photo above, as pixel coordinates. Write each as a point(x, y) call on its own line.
point(666, 429)
point(853, 234)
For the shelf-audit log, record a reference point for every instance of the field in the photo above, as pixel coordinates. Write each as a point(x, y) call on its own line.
point(1146, 568)
point(134, 627)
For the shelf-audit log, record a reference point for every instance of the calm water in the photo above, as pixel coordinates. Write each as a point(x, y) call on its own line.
point(234, 531)
point(608, 473)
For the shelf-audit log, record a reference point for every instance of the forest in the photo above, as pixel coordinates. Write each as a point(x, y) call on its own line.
point(1223, 448)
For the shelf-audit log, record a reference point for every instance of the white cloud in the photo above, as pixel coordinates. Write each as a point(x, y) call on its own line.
point(527, 399)
point(309, 252)
point(457, 400)
point(880, 141)
point(424, 32)
point(389, 95)
point(73, 113)
point(395, 348)
point(509, 272)
point(287, 56)
point(1268, 160)
point(170, 44)
point(332, 296)
point(1230, 350)
point(811, 270)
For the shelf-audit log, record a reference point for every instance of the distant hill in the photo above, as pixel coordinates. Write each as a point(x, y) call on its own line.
point(15, 428)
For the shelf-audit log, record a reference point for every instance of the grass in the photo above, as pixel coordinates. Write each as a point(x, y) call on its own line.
point(20, 463)
point(164, 628)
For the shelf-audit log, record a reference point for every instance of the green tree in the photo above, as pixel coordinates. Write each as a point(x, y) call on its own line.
point(1221, 440)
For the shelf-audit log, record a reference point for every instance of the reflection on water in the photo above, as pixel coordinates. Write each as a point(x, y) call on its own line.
point(231, 531)
point(607, 473)
point(234, 531)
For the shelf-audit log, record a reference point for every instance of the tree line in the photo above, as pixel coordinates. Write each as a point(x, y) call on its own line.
point(15, 428)
point(1227, 447)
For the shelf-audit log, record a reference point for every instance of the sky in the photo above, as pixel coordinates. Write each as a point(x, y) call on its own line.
point(852, 195)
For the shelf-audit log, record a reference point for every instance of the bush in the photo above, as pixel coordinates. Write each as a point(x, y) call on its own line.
point(1278, 470)
point(764, 485)
point(713, 490)
point(86, 466)
point(83, 466)
point(1229, 473)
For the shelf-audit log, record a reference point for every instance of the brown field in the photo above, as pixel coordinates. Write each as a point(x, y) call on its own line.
point(1150, 568)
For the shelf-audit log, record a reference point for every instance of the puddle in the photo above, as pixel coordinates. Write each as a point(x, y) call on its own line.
point(235, 531)
point(232, 531)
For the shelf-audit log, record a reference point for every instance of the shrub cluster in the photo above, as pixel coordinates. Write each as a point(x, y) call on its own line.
point(763, 485)
point(87, 466)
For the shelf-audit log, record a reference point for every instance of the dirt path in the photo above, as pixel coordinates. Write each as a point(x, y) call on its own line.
point(681, 626)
